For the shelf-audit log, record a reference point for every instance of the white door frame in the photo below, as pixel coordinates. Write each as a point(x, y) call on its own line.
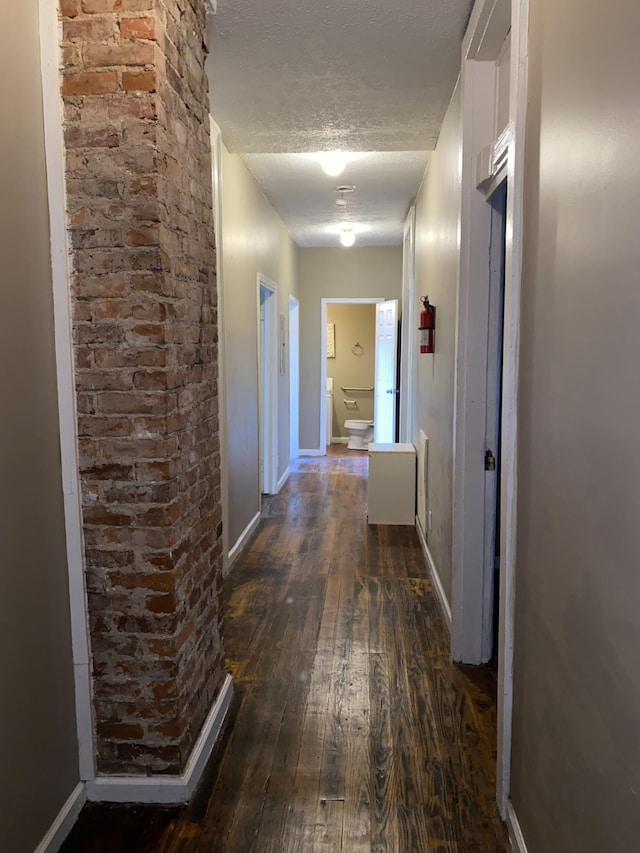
point(294, 377)
point(469, 575)
point(510, 374)
point(346, 300)
point(485, 36)
point(268, 388)
point(408, 310)
point(71, 490)
point(216, 182)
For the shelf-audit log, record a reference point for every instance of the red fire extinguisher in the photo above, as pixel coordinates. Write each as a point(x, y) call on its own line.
point(427, 325)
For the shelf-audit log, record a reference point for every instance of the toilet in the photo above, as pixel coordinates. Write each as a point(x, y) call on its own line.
point(360, 434)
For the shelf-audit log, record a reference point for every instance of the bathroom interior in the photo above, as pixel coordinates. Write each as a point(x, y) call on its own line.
point(350, 374)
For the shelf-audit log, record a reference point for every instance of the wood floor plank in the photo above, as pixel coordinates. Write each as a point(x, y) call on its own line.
point(141, 828)
point(301, 822)
point(327, 837)
point(384, 768)
point(360, 627)
point(356, 827)
point(299, 828)
point(286, 755)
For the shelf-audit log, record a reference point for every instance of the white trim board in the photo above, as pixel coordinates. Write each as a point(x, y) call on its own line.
point(243, 539)
point(56, 190)
point(311, 452)
point(282, 480)
point(511, 370)
point(516, 836)
point(167, 790)
point(64, 821)
point(470, 576)
point(435, 577)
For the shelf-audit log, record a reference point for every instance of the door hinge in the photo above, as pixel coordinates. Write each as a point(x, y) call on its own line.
point(489, 461)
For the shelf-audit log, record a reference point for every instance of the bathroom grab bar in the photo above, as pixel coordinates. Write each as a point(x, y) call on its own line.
point(346, 388)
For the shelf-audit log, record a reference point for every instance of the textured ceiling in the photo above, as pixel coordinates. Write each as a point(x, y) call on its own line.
point(305, 197)
point(292, 76)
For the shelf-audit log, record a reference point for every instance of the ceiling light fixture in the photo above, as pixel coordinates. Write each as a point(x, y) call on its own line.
point(356, 228)
point(341, 190)
point(347, 238)
point(333, 162)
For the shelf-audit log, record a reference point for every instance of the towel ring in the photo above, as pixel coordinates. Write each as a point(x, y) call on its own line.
point(357, 349)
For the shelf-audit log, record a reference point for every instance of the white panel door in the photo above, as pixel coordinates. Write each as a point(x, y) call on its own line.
point(384, 418)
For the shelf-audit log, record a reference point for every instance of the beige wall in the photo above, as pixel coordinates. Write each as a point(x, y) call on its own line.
point(254, 240)
point(38, 755)
point(437, 251)
point(353, 323)
point(338, 273)
point(576, 737)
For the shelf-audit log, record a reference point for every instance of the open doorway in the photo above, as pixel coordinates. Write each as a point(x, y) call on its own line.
point(352, 394)
point(267, 385)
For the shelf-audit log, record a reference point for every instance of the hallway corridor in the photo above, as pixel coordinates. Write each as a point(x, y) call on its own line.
point(350, 728)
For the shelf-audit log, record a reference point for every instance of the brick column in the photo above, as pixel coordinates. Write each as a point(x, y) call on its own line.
point(138, 166)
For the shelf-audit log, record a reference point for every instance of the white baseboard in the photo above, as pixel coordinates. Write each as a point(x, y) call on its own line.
point(312, 452)
point(435, 577)
point(283, 480)
point(61, 826)
point(244, 537)
point(339, 439)
point(167, 790)
point(515, 832)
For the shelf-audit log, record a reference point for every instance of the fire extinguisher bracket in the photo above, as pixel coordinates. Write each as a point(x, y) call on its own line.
point(427, 326)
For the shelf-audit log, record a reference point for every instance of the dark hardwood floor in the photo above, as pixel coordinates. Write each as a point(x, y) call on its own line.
point(350, 728)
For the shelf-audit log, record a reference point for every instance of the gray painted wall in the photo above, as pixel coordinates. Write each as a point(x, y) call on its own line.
point(337, 273)
point(576, 737)
point(254, 240)
point(38, 747)
point(437, 256)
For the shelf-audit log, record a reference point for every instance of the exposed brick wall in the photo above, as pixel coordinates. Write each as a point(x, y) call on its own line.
point(141, 233)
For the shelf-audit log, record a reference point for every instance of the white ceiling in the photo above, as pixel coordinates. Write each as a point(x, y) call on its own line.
point(305, 197)
point(293, 76)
